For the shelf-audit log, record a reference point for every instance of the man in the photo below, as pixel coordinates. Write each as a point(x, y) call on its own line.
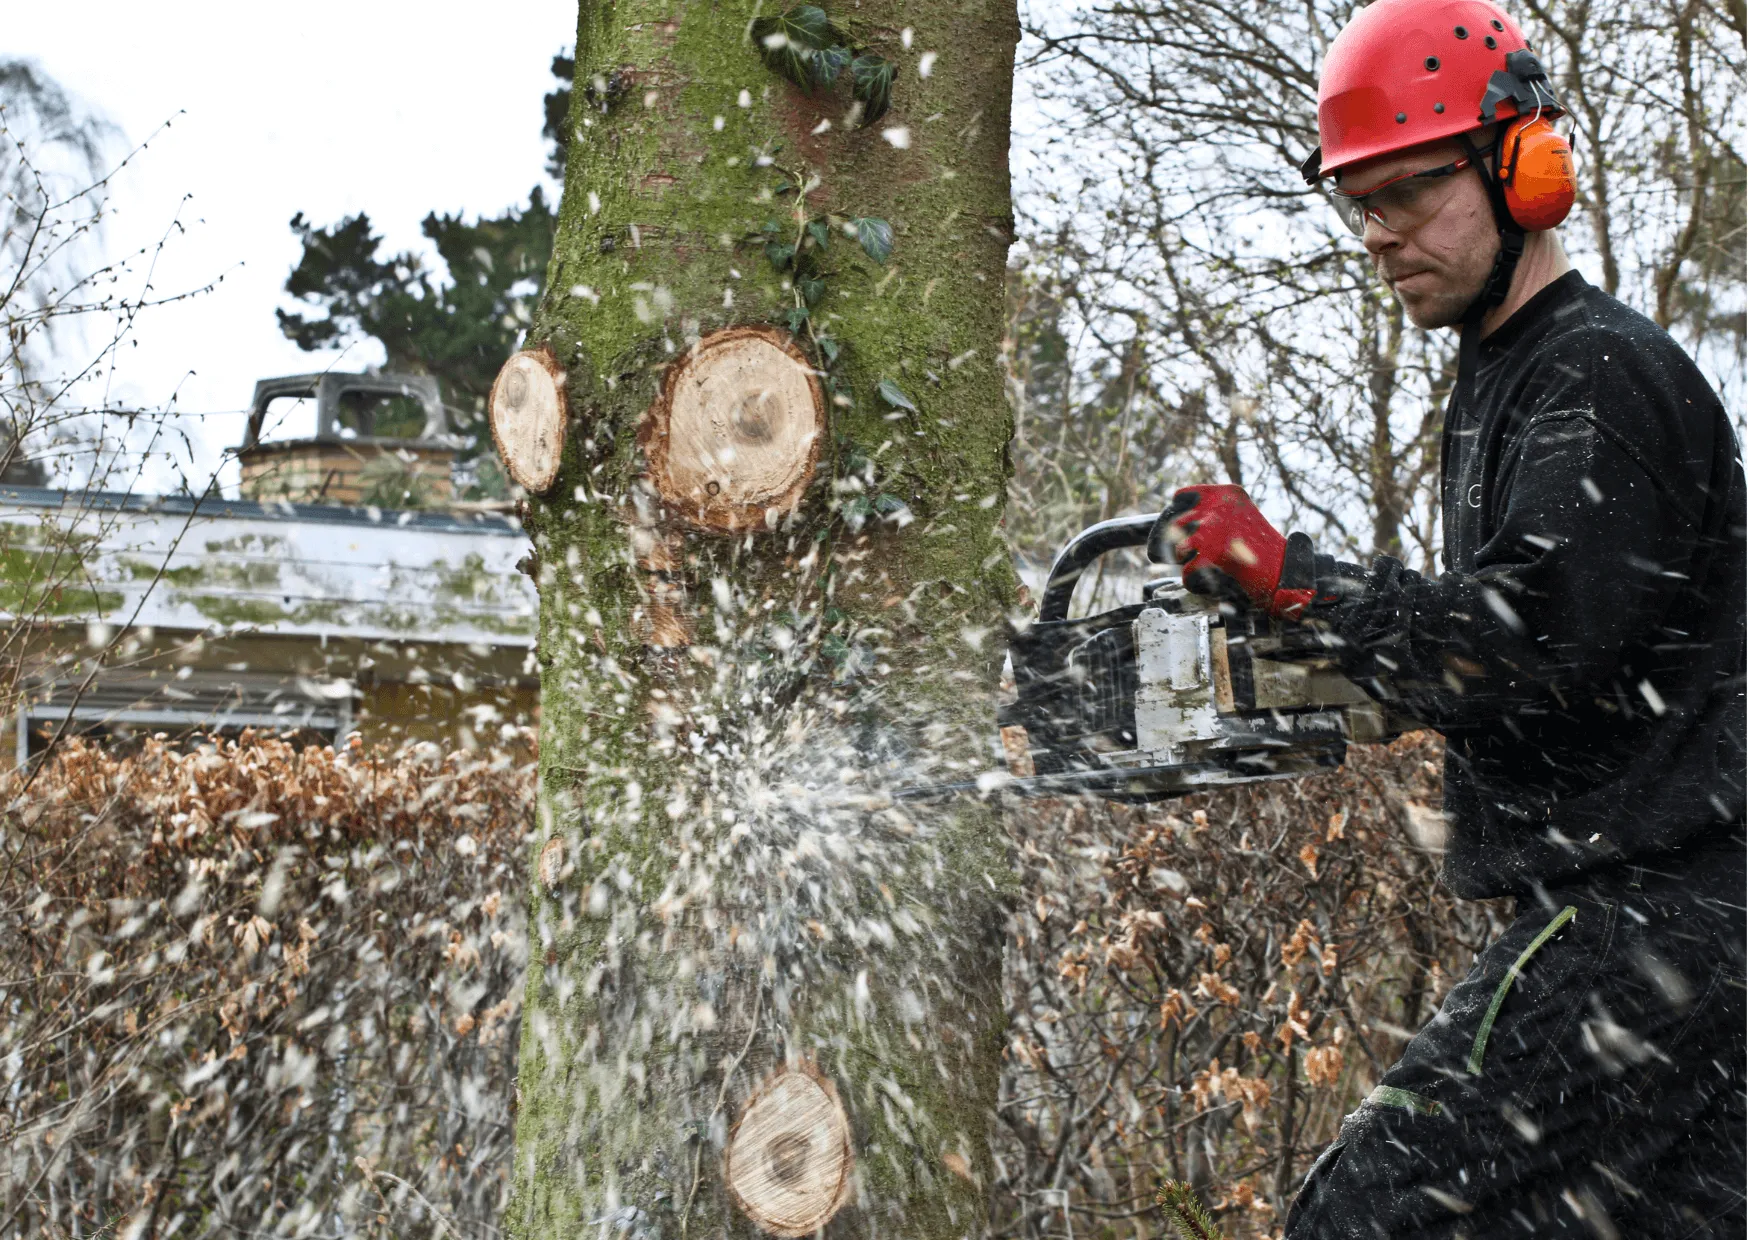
point(1582, 653)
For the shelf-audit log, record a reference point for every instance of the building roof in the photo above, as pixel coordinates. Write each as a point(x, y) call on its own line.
point(178, 562)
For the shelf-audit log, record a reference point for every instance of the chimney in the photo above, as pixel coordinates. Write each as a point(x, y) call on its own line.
point(380, 439)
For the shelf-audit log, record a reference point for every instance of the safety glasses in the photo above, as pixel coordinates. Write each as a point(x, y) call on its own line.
point(1400, 204)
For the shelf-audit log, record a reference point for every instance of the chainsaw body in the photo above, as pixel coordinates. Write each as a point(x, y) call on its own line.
point(1173, 694)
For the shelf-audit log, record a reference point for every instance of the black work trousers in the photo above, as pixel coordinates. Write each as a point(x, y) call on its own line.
point(1585, 1079)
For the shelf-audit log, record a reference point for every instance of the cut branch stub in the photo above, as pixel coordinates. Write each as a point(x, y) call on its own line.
point(528, 417)
point(788, 1161)
point(733, 437)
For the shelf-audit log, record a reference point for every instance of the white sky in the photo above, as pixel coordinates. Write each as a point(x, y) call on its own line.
point(328, 108)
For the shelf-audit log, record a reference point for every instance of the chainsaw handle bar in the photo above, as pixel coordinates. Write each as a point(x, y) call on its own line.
point(1081, 551)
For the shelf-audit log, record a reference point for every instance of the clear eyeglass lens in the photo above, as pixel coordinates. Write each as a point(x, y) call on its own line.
point(1398, 206)
point(1352, 212)
point(1404, 201)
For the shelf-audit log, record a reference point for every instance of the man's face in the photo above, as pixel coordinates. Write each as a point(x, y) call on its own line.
point(1437, 267)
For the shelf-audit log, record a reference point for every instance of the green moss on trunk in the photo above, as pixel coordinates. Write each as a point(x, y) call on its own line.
point(729, 902)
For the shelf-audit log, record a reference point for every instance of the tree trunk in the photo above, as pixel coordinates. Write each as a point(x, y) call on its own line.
point(1383, 352)
point(771, 582)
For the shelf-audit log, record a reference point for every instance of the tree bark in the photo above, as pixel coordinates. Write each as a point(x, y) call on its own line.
point(1382, 353)
point(760, 996)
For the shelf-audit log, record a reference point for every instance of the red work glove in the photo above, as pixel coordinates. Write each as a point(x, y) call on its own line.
point(1216, 532)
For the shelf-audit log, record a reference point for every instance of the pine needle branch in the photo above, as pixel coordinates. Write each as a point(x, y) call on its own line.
point(1185, 1211)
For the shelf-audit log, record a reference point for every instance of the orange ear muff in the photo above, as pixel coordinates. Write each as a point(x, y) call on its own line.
point(1535, 170)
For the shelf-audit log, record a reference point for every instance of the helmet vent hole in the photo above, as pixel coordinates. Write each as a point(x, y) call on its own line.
point(1491, 41)
point(1497, 24)
point(1462, 32)
point(1401, 118)
point(1438, 107)
point(1432, 64)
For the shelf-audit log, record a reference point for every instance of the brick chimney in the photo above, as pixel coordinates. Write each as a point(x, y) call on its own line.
point(381, 439)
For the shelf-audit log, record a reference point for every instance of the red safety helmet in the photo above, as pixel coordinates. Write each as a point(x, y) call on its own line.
point(1407, 72)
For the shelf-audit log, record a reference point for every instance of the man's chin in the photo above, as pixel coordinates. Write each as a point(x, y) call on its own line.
point(1427, 309)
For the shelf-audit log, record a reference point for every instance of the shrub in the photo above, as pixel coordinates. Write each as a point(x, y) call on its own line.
point(1199, 991)
point(253, 989)
point(258, 990)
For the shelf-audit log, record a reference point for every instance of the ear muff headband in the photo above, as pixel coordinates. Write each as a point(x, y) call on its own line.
point(1489, 163)
point(1527, 169)
point(1535, 172)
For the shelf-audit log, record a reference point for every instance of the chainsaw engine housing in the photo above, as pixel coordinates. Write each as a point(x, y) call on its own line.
point(1172, 694)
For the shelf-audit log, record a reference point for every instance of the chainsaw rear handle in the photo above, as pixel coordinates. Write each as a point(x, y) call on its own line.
point(1081, 551)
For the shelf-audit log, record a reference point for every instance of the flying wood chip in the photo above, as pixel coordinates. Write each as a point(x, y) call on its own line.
point(788, 1162)
point(733, 437)
point(528, 417)
point(552, 863)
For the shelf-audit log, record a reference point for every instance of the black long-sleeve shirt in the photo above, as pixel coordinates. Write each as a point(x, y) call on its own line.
point(1583, 651)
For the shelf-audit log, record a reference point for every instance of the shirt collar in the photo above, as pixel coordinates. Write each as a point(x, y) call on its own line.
point(1567, 288)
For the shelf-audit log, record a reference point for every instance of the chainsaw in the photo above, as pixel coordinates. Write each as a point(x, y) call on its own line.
point(1177, 693)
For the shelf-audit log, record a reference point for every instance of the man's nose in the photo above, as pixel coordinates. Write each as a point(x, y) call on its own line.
point(1377, 239)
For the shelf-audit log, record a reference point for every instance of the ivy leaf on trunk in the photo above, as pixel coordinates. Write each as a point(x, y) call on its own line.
point(802, 45)
point(875, 237)
point(894, 395)
point(780, 254)
point(873, 76)
point(828, 62)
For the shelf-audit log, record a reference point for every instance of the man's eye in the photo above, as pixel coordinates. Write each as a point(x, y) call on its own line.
point(1402, 194)
point(1410, 190)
